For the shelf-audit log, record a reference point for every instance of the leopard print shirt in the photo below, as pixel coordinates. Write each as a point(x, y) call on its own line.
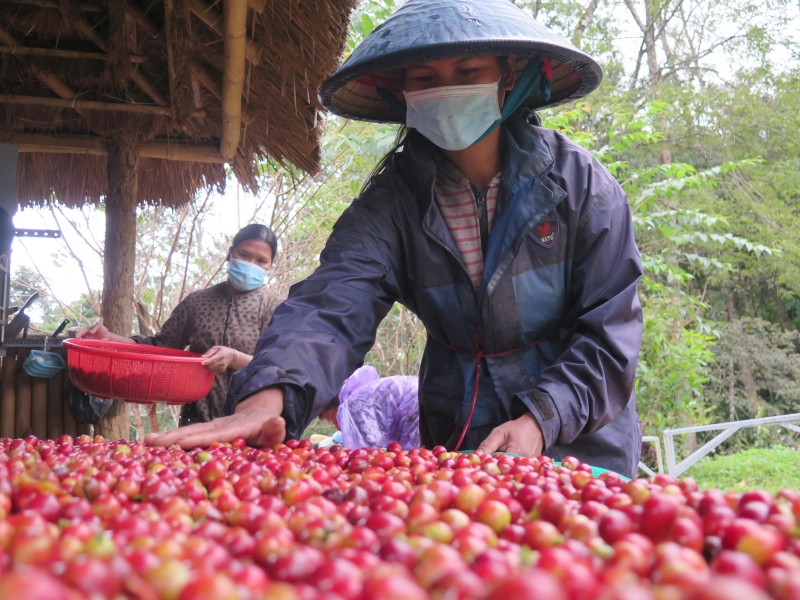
point(215, 317)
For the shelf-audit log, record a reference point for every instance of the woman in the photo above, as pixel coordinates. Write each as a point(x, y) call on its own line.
point(221, 322)
point(513, 246)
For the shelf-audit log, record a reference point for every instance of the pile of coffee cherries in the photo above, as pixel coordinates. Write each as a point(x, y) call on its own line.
point(85, 518)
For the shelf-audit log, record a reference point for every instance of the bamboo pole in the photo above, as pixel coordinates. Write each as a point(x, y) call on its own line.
point(39, 407)
point(8, 396)
point(68, 54)
point(56, 405)
point(256, 5)
point(22, 414)
point(235, 17)
point(76, 103)
point(210, 80)
point(47, 79)
point(172, 74)
point(144, 84)
point(83, 6)
point(95, 146)
point(177, 152)
point(211, 17)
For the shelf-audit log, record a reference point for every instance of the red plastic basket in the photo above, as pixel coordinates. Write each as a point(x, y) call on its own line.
point(137, 372)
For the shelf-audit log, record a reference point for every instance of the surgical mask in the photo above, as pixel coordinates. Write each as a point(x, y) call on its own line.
point(43, 364)
point(454, 117)
point(245, 276)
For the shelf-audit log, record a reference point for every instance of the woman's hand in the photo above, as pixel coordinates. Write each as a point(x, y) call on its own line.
point(257, 419)
point(98, 331)
point(521, 436)
point(219, 358)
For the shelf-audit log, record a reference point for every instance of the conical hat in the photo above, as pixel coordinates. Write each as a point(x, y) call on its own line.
point(424, 30)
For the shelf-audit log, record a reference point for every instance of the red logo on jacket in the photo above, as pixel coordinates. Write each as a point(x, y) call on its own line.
point(545, 232)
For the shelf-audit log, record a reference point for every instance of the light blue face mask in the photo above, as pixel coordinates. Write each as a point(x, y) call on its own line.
point(534, 80)
point(245, 276)
point(453, 117)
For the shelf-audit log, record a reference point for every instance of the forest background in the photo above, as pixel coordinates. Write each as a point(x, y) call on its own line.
point(697, 117)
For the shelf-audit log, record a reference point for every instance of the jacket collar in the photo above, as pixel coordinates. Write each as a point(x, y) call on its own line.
point(521, 139)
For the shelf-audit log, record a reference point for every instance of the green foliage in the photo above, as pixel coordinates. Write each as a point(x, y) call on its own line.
point(774, 469)
point(675, 361)
point(366, 17)
point(758, 373)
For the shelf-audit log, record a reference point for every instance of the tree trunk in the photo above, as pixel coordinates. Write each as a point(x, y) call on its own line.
point(119, 261)
point(745, 373)
point(584, 23)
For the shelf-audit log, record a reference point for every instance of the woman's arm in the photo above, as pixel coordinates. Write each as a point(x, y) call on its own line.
point(257, 419)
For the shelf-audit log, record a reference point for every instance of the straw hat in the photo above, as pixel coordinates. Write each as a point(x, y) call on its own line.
point(424, 30)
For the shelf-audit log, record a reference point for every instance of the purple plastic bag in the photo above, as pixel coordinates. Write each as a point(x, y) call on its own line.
point(374, 411)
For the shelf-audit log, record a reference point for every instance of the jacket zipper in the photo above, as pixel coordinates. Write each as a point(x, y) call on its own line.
point(483, 219)
point(476, 336)
point(435, 239)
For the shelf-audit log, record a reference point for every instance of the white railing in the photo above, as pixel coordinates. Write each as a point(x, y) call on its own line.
point(726, 431)
point(652, 439)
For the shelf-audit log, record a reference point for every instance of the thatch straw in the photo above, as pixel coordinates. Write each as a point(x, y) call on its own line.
point(298, 44)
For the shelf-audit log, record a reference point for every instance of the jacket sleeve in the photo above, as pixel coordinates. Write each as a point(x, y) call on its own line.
point(591, 382)
point(320, 334)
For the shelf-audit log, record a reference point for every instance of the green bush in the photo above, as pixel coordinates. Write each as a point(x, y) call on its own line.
point(772, 469)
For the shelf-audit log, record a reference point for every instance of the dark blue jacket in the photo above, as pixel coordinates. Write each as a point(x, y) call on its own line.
point(557, 320)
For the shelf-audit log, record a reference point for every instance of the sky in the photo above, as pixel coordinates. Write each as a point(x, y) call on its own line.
point(51, 256)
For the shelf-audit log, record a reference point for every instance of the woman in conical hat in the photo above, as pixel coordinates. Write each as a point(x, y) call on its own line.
point(512, 245)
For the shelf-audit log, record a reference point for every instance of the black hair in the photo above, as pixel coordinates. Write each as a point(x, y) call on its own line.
point(256, 231)
point(399, 142)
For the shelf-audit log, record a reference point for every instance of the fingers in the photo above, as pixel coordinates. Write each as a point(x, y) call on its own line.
point(177, 436)
point(273, 431)
point(93, 331)
point(200, 435)
point(218, 358)
point(259, 426)
point(494, 441)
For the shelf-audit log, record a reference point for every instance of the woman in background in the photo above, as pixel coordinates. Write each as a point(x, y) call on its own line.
point(221, 322)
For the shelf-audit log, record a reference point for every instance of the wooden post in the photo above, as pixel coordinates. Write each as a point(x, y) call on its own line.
point(56, 405)
point(118, 262)
point(68, 426)
point(39, 407)
point(22, 414)
point(8, 396)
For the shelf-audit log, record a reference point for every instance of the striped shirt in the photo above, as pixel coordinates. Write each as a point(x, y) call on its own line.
point(458, 203)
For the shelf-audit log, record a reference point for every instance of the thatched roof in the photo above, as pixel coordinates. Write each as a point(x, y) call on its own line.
point(164, 75)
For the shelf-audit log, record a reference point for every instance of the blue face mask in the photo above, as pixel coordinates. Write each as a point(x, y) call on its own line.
point(245, 276)
point(453, 117)
point(43, 364)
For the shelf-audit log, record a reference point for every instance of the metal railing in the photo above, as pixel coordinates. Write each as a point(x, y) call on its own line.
point(652, 439)
point(726, 431)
